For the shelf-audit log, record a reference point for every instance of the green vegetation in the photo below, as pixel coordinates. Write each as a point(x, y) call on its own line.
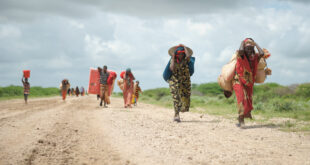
point(270, 101)
point(11, 92)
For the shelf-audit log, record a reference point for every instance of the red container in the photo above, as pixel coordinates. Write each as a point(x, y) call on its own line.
point(26, 73)
point(94, 82)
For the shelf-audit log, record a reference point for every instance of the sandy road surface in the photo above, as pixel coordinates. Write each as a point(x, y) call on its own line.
point(78, 131)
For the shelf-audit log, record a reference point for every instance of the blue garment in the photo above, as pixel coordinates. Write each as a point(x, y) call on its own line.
point(167, 72)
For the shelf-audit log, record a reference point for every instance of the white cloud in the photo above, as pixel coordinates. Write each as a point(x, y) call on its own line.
point(77, 24)
point(9, 31)
point(133, 38)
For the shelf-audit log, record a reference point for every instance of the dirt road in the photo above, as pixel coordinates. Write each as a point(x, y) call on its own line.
point(78, 131)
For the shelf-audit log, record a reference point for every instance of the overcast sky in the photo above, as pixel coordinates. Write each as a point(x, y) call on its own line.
point(63, 39)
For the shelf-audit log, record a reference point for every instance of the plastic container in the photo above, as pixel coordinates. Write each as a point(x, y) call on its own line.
point(26, 73)
point(94, 82)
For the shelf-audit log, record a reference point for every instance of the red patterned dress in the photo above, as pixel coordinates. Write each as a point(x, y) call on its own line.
point(244, 81)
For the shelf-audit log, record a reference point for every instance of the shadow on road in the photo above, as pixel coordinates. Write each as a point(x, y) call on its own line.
point(201, 121)
point(261, 126)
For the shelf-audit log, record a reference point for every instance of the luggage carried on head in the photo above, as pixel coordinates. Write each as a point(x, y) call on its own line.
point(26, 73)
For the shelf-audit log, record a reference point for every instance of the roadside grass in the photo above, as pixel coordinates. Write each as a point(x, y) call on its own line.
point(286, 107)
point(17, 92)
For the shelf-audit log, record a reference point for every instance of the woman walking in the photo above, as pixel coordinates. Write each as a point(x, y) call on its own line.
point(64, 86)
point(244, 79)
point(26, 85)
point(180, 81)
point(128, 78)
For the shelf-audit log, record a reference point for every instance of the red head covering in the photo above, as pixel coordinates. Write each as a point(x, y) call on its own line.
point(178, 51)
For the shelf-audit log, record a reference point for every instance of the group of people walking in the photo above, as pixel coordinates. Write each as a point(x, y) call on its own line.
point(244, 75)
point(130, 89)
point(178, 74)
point(66, 90)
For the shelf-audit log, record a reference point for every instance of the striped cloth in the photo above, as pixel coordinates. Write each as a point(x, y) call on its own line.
point(26, 88)
point(138, 89)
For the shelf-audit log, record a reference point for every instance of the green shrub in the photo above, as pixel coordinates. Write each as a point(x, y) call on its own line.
point(210, 89)
point(303, 90)
point(15, 91)
point(158, 93)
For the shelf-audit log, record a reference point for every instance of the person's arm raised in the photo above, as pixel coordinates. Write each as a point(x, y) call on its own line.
point(260, 50)
point(172, 63)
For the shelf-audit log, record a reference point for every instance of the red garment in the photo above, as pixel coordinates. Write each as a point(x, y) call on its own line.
point(111, 80)
point(64, 94)
point(128, 88)
point(245, 78)
point(127, 95)
point(111, 77)
point(122, 75)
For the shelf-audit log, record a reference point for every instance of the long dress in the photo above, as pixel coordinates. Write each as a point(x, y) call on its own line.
point(128, 88)
point(243, 82)
point(180, 86)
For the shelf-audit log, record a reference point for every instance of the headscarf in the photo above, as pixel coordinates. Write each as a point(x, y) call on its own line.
point(178, 51)
point(249, 40)
point(127, 76)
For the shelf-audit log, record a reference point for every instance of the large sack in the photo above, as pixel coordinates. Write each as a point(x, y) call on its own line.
point(261, 64)
point(226, 85)
point(234, 57)
point(120, 83)
point(228, 70)
point(94, 82)
point(260, 76)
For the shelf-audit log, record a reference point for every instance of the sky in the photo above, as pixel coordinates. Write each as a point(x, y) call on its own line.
point(64, 38)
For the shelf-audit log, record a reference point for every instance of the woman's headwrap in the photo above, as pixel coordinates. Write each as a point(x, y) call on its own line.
point(248, 41)
point(178, 51)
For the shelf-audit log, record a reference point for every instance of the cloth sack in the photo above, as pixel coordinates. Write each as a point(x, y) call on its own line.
point(120, 84)
point(228, 70)
point(261, 64)
point(226, 85)
point(260, 76)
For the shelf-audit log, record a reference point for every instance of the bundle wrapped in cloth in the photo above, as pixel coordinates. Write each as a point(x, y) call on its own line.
point(225, 85)
point(262, 69)
point(227, 74)
point(120, 84)
point(228, 71)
